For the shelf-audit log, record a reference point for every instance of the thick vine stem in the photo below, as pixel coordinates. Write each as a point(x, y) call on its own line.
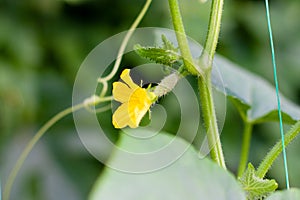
point(182, 39)
point(204, 80)
point(204, 83)
point(206, 58)
point(245, 147)
point(209, 115)
point(267, 162)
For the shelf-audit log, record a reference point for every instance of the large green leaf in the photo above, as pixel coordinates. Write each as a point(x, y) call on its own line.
point(254, 96)
point(291, 194)
point(187, 178)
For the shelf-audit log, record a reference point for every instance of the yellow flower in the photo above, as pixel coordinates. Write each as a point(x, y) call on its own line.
point(135, 102)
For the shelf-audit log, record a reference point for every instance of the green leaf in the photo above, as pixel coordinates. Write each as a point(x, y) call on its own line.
point(254, 96)
point(166, 55)
point(188, 177)
point(255, 187)
point(158, 55)
point(168, 45)
point(291, 194)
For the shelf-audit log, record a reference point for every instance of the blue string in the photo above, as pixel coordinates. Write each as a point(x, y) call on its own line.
point(277, 95)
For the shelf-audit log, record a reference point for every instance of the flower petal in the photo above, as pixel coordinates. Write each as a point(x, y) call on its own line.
point(121, 92)
point(121, 117)
point(138, 105)
point(136, 101)
point(125, 76)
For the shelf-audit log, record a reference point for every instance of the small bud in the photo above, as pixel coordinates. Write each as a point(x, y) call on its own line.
point(167, 84)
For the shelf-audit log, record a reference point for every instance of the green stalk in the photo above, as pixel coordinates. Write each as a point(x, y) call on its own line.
point(214, 26)
point(13, 174)
point(204, 80)
point(15, 170)
point(182, 39)
point(245, 147)
point(124, 43)
point(204, 83)
point(210, 121)
point(267, 162)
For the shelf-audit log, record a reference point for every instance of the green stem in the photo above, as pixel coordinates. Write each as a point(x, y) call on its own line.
point(181, 38)
point(245, 147)
point(204, 83)
point(31, 144)
point(208, 53)
point(209, 115)
point(122, 48)
point(14, 172)
point(267, 162)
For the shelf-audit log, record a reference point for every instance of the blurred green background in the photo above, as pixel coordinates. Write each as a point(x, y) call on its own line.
point(43, 43)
